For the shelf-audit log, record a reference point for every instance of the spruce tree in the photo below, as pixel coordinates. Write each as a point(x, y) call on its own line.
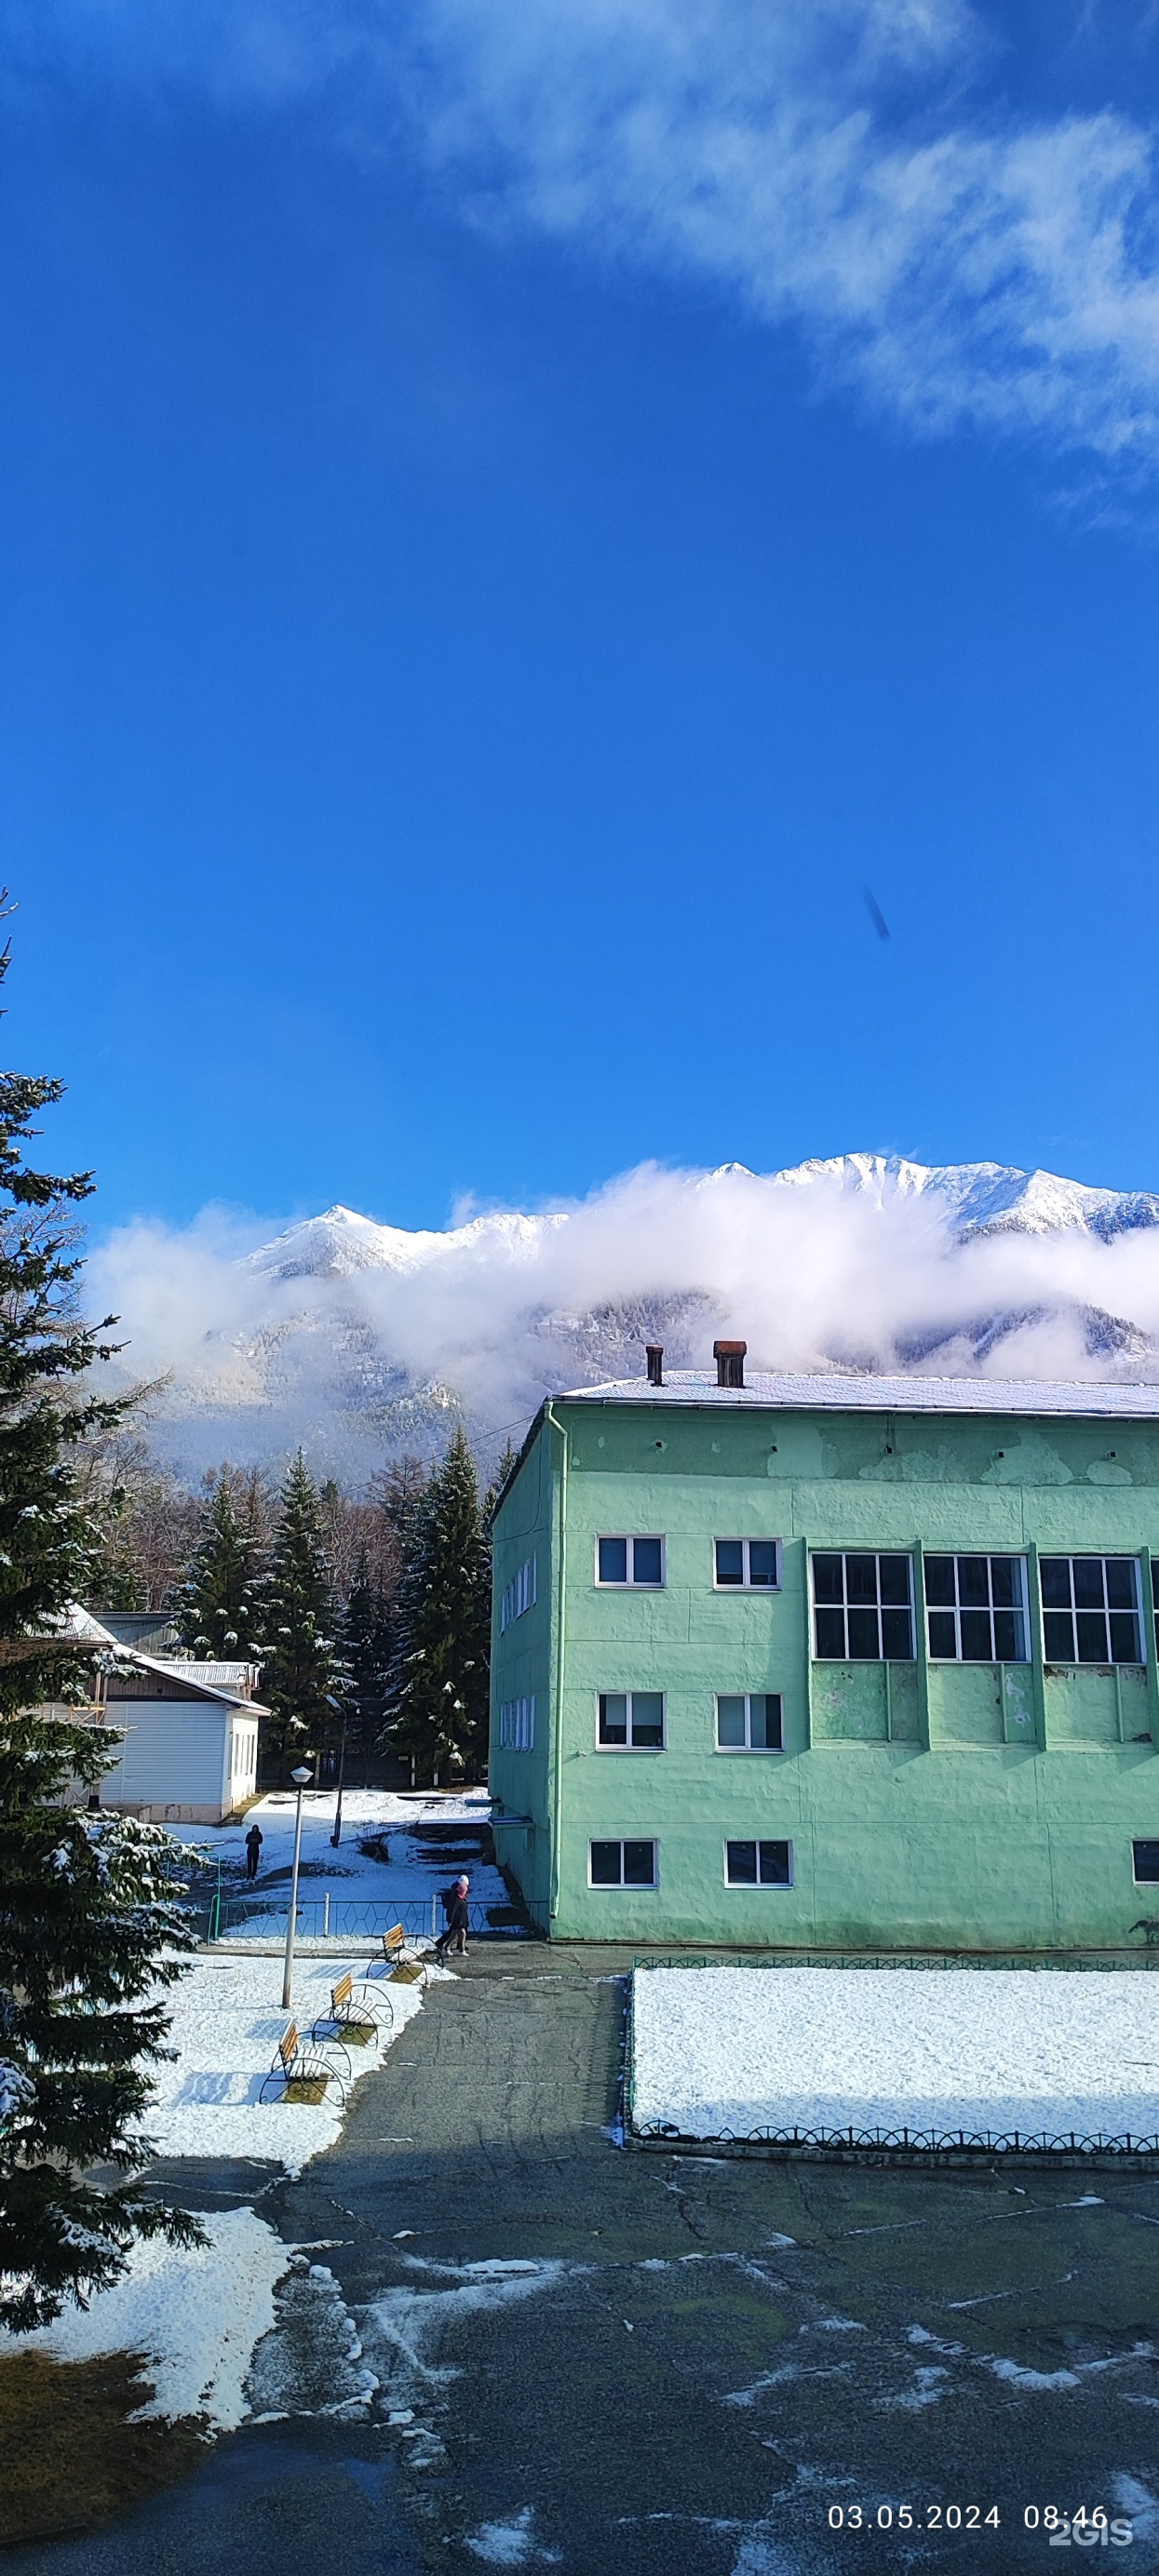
point(218, 1608)
point(301, 1661)
point(367, 1632)
point(89, 1927)
point(440, 1677)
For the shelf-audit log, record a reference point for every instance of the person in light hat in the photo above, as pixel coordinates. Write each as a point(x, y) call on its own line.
point(454, 1937)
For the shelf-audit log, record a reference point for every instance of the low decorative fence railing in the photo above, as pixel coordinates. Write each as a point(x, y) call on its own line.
point(1040, 2142)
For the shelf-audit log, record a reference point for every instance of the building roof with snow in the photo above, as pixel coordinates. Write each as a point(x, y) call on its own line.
point(175, 1676)
point(830, 1392)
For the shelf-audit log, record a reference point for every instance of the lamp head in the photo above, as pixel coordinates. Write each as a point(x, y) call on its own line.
point(301, 1776)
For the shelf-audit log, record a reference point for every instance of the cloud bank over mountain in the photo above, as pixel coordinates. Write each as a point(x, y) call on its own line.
point(854, 169)
point(359, 1339)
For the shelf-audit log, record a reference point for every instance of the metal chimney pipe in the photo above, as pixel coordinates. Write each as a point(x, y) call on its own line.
point(654, 1354)
point(730, 1358)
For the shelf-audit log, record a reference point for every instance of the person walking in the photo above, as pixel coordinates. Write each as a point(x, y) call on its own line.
point(253, 1845)
point(454, 1937)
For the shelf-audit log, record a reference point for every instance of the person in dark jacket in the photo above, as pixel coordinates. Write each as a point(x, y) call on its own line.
point(253, 1845)
point(455, 1908)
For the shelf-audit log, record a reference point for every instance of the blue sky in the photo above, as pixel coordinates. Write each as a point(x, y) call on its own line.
point(508, 521)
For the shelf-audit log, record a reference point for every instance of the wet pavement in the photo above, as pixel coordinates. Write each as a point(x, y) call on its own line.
point(603, 2360)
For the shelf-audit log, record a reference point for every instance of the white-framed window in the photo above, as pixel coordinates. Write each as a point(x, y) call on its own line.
point(517, 1725)
point(1145, 1857)
point(622, 1864)
point(631, 1722)
point(747, 1564)
point(758, 1864)
point(1091, 1610)
point(863, 1607)
point(630, 1564)
point(748, 1722)
point(976, 1609)
point(520, 1594)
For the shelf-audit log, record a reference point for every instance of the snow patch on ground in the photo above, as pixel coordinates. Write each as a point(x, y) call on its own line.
point(760, 2555)
point(511, 2543)
point(993, 2052)
point(195, 2314)
point(227, 2019)
point(404, 2329)
point(1133, 2498)
point(312, 2362)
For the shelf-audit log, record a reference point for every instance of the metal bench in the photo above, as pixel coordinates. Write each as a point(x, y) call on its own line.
point(298, 2062)
point(356, 2007)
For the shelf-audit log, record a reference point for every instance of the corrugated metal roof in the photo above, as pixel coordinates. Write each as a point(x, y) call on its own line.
point(836, 1394)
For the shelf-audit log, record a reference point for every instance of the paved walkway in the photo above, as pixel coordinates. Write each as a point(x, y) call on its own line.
point(608, 2361)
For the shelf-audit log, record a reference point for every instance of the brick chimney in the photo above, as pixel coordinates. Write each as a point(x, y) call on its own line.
point(729, 1357)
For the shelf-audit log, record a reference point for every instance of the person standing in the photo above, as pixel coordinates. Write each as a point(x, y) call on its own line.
point(455, 1908)
point(253, 1845)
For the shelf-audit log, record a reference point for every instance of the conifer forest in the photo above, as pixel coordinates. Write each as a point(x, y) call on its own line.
point(368, 1616)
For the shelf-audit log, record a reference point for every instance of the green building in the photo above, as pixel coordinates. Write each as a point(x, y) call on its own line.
point(831, 1660)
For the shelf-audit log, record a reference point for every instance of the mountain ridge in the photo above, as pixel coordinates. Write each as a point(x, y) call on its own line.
point(356, 1339)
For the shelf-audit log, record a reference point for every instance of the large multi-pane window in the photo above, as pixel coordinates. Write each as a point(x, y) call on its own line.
point(637, 1564)
point(976, 1609)
point(747, 1564)
point(748, 1722)
point(622, 1864)
point(1090, 1610)
point(863, 1608)
point(632, 1721)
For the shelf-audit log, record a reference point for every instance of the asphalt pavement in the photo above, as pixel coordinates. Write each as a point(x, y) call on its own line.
point(602, 2360)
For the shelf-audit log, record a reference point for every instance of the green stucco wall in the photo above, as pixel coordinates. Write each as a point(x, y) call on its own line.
point(928, 1805)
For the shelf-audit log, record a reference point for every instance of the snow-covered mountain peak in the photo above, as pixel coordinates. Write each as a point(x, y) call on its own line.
point(986, 1198)
point(357, 1339)
point(341, 1242)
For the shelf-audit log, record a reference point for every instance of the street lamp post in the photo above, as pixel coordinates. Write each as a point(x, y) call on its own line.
point(301, 1779)
point(336, 1836)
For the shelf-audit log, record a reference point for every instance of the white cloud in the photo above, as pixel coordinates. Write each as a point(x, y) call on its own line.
point(846, 166)
point(842, 1265)
point(822, 165)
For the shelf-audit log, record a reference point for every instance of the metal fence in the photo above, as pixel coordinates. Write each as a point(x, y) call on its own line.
point(341, 1918)
point(1042, 2142)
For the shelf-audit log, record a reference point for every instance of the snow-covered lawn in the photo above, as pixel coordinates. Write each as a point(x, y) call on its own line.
point(412, 1875)
point(987, 2053)
point(195, 2315)
point(227, 2019)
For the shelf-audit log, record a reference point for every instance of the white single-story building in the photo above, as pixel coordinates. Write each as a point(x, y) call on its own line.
point(189, 1753)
